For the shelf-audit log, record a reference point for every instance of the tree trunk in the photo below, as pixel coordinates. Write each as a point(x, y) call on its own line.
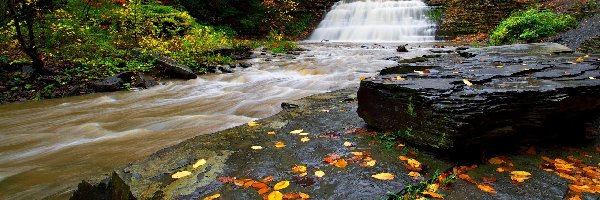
point(28, 47)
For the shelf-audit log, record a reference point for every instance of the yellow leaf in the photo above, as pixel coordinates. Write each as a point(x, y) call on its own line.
point(299, 168)
point(414, 163)
point(303, 174)
point(271, 133)
point(303, 195)
point(348, 144)
point(371, 163)
point(211, 197)
point(586, 56)
point(356, 153)
point(253, 124)
point(279, 145)
point(401, 145)
point(414, 174)
point(181, 174)
point(383, 176)
point(467, 82)
point(519, 176)
point(256, 147)
point(593, 78)
point(304, 139)
point(362, 78)
point(399, 78)
point(275, 195)
point(199, 163)
point(319, 173)
point(303, 134)
point(296, 131)
point(579, 60)
point(499, 66)
point(281, 185)
point(418, 72)
point(456, 72)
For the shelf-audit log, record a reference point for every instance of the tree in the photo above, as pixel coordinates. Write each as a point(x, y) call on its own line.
point(23, 13)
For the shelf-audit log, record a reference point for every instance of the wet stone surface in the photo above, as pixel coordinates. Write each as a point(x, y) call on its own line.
point(327, 117)
point(478, 97)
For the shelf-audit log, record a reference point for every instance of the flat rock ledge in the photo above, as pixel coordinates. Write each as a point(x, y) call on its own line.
point(482, 97)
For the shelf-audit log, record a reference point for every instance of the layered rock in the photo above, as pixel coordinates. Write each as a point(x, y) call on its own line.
point(498, 94)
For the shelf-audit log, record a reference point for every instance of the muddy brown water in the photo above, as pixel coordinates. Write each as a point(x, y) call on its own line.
point(47, 147)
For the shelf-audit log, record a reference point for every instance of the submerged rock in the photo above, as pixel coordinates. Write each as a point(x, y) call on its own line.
point(116, 82)
point(500, 95)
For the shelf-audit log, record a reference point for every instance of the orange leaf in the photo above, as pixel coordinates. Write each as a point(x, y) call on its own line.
point(486, 188)
point(496, 161)
point(299, 169)
point(331, 158)
point(212, 197)
point(248, 183)
point(226, 179)
point(267, 179)
point(238, 182)
point(264, 190)
point(279, 145)
point(303, 195)
point(467, 178)
point(519, 176)
point(433, 194)
point(259, 185)
point(341, 163)
point(403, 158)
point(414, 174)
point(291, 196)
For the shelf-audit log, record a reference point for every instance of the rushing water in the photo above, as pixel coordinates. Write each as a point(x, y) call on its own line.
point(375, 21)
point(49, 146)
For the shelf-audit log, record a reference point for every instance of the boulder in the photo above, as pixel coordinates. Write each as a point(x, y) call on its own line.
point(225, 69)
point(173, 69)
point(116, 82)
point(112, 188)
point(501, 95)
point(108, 84)
point(402, 48)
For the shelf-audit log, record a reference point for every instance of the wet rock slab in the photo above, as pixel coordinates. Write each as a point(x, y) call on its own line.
point(524, 93)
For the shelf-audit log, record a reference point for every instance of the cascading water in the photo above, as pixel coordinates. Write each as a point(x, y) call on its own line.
point(376, 21)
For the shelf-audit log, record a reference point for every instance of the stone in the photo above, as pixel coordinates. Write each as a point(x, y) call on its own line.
point(108, 84)
point(225, 69)
point(286, 105)
point(519, 93)
point(173, 69)
point(244, 65)
point(402, 48)
point(115, 189)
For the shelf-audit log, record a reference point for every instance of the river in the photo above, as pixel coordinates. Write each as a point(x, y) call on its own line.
point(48, 146)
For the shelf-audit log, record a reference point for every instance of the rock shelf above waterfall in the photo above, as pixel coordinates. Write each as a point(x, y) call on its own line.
point(498, 95)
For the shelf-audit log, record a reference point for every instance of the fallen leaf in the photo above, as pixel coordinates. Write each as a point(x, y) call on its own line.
point(592, 78)
point(253, 124)
point(362, 78)
point(331, 158)
point(414, 163)
point(199, 163)
point(575, 197)
point(456, 72)
point(271, 133)
point(181, 174)
point(299, 169)
point(211, 197)
point(467, 178)
point(264, 190)
point(519, 176)
point(383, 176)
point(296, 131)
point(248, 183)
point(401, 145)
point(579, 60)
point(226, 179)
point(356, 153)
point(371, 163)
point(281, 185)
point(303, 195)
point(319, 173)
point(303, 174)
point(426, 71)
point(239, 182)
point(275, 195)
point(467, 82)
point(496, 161)
point(341, 163)
point(499, 66)
point(403, 158)
point(399, 78)
point(414, 174)
point(303, 134)
point(256, 147)
point(433, 194)
point(486, 188)
point(304, 139)
point(267, 179)
point(279, 145)
point(259, 185)
point(291, 196)
point(348, 144)
point(418, 72)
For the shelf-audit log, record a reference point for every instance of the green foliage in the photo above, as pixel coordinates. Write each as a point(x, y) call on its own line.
point(415, 191)
point(276, 42)
point(436, 13)
point(530, 25)
point(390, 139)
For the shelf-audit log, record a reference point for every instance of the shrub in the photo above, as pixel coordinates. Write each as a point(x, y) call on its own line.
point(277, 43)
point(530, 25)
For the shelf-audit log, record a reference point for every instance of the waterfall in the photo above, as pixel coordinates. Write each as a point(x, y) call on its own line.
point(376, 21)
